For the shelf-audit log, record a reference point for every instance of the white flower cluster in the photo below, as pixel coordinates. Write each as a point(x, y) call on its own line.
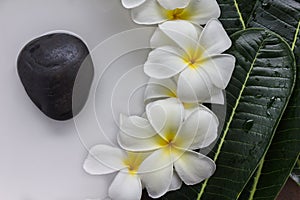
point(187, 67)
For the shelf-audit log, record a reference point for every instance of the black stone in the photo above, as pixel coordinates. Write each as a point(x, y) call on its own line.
point(48, 67)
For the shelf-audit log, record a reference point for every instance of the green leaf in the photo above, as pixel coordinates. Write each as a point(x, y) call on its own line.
point(258, 93)
point(256, 98)
point(235, 14)
point(279, 16)
point(283, 18)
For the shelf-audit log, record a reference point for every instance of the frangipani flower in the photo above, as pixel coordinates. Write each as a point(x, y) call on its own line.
point(173, 139)
point(195, 54)
point(167, 4)
point(158, 11)
point(127, 185)
point(104, 159)
point(158, 89)
point(167, 88)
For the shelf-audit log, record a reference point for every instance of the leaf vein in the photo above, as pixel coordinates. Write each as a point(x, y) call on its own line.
point(296, 36)
point(233, 113)
point(240, 14)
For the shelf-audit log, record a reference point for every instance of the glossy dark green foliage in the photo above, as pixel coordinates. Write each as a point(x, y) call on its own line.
point(269, 63)
point(282, 17)
point(246, 8)
point(231, 18)
point(279, 16)
point(256, 98)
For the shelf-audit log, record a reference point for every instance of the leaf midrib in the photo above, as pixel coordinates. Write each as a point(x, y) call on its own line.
point(260, 166)
point(232, 115)
point(296, 37)
point(240, 14)
point(256, 178)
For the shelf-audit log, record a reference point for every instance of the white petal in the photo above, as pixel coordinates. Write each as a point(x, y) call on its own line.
point(193, 167)
point(136, 126)
point(194, 85)
point(156, 173)
point(176, 182)
point(173, 4)
point(203, 10)
point(135, 144)
point(219, 68)
point(183, 33)
point(159, 38)
point(126, 187)
point(214, 38)
point(199, 130)
point(132, 3)
point(189, 108)
point(165, 62)
point(160, 88)
point(217, 97)
point(104, 159)
point(148, 13)
point(165, 116)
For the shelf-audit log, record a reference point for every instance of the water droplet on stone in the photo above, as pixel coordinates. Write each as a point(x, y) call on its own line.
point(48, 67)
point(248, 125)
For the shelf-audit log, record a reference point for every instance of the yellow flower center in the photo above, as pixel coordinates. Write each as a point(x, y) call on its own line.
point(178, 13)
point(172, 94)
point(133, 162)
point(193, 58)
point(167, 141)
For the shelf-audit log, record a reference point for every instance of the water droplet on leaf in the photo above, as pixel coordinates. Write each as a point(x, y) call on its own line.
point(271, 102)
point(258, 96)
point(248, 125)
point(266, 5)
point(277, 74)
point(254, 16)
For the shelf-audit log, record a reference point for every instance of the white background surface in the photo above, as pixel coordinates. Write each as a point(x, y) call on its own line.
point(41, 159)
